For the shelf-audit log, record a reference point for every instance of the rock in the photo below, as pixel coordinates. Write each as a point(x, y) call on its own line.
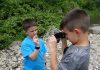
point(95, 29)
point(11, 58)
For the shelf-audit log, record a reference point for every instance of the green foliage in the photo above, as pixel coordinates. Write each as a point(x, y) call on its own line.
point(45, 12)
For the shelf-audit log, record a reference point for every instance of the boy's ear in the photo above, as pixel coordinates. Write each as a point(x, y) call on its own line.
point(77, 31)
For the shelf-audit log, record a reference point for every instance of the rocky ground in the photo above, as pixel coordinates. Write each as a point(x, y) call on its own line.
point(11, 59)
point(94, 52)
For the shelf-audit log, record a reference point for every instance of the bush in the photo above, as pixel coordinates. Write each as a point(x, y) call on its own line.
point(45, 12)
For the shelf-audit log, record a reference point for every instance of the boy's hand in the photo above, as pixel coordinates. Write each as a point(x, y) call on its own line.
point(52, 42)
point(35, 39)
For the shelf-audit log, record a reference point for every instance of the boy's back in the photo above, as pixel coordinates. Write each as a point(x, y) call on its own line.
point(75, 58)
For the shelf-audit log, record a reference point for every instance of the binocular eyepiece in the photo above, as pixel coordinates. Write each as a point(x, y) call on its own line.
point(60, 35)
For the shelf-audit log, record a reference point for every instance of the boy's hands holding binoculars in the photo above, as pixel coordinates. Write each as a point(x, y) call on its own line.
point(54, 39)
point(52, 42)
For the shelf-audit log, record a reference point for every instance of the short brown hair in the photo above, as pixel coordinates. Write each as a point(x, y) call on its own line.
point(77, 18)
point(27, 23)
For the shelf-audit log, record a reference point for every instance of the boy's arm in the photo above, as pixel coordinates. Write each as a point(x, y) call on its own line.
point(53, 59)
point(52, 42)
point(64, 44)
point(35, 53)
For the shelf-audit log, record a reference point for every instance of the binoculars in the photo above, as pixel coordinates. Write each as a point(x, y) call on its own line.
point(59, 35)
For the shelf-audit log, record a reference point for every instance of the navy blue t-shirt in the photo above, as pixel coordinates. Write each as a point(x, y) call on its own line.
point(75, 58)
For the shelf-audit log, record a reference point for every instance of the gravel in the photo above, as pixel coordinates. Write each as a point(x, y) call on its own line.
point(11, 58)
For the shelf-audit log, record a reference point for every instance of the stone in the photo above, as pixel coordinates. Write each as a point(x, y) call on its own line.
point(95, 29)
point(11, 58)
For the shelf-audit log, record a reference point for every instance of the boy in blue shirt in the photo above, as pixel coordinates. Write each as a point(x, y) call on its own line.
point(32, 48)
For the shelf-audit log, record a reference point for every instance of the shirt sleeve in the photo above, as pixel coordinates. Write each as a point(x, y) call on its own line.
point(44, 47)
point(26, 50)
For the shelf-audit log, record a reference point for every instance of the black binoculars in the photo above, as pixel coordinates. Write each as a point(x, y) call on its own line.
point(60, 35)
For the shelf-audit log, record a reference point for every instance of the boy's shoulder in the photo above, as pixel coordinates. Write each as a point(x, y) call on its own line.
point(84, 52)
point(25, 41)
point(79, 50)
point(77, 53)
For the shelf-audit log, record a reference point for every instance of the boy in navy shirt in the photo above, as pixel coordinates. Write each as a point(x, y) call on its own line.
point(75, 25)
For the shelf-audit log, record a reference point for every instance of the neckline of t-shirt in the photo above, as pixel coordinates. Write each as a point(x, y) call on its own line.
point(82, 46)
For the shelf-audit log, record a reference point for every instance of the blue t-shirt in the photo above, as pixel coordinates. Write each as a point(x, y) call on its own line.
point(27, 48)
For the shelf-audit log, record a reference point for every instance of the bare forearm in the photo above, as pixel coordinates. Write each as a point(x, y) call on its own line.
point(64, 44)
point(53, 61)
point(52, 43)
point(34, 54)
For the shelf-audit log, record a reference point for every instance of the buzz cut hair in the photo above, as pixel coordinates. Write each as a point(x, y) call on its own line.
point(76, 18)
